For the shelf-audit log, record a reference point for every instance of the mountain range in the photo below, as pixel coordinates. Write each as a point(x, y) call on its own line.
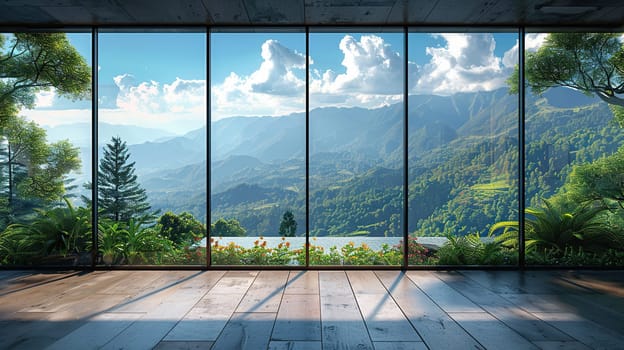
point(356, 160)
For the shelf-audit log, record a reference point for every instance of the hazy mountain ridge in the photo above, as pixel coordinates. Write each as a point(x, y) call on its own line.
point(356, 162)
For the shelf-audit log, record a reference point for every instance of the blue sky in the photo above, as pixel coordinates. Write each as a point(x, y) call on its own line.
point(159, 79)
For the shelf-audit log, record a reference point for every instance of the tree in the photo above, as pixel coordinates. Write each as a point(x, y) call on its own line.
point(288, 226)
point(31, 168)
point(601, 180)
point(592, 63)
point(33, 62)
point(120, 197)
point(227, 228)
point(181, 229)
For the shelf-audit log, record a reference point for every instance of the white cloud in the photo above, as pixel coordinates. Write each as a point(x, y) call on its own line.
point(373, 75)
point(45, 98)
point(273, 89)
point(153, 97)
point(534, 41)
point(185, 95)
point(510, 58)
point(371, 67)
point(465, 64)
point(275, 75)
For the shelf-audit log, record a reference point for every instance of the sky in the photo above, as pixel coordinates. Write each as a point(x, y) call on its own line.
point(159, 79)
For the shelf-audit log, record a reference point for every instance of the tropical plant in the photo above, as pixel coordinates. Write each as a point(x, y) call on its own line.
point(556, 226)
point(58, 231)
point(110, 241)
point(473, 250)
point(17, 247)
point(553, 227)
point(144, 244)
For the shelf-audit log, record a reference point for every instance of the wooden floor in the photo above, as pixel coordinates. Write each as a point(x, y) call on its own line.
point(312, 310)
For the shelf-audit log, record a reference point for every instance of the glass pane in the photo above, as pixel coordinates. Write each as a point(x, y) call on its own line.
point(574, 154)
point(258, 148)
point(152, 148)
point(463, 149)
point(45, 148)
point(356, 148)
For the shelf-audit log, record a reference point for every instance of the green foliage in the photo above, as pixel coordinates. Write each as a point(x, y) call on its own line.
point(33, 171)
point(110, 241)
point(472, 250)
point(182, 229)
point(227, 228)
point(288, 226)
point(588, 62)
point(576, 257)
point(58, 231)
point(558, 227)
point(364, 255)
point(33, 62)
point(417, 254)
point(318, 256)
point(601, 180)
point(133, 243)
point(564, 233)
point(120, 197)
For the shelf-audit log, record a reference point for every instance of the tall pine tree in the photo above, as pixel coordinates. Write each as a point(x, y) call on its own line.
point(120, 197)
point(288, 226)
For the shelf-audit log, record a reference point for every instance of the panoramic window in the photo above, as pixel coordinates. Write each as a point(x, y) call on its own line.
point(152, 148)
point(45, 148)
point(463, 149)
point(574, 155)
point(356, 148)
point(258, 149)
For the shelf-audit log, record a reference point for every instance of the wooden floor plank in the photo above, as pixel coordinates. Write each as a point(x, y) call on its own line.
point(302, 282)
point(441, 293)
point(561, 345)
point(234, 282)
point(295, 345)
point(45, 288)
point(246, 331)
point(400, 345)
point(154, 289)
point(605, 310)
point(436, 327)
point(312, 310)
point(183, 345)
point(207, 319)
point(599, 281)
point(298, 318)
point(491, 332)
point(97, 331)
point(265, 294)
point(524, 323)
point(518, 282)
point(585, 331)
point(148, 331)
point(341, 321)
point(384, 319)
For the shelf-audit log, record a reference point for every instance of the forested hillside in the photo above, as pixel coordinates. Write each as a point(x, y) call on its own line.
point(463, 163)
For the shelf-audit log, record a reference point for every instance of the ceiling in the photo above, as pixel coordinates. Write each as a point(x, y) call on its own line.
point(538, 13)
